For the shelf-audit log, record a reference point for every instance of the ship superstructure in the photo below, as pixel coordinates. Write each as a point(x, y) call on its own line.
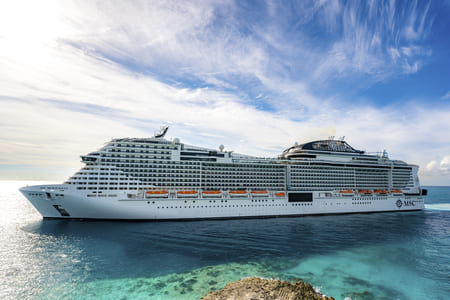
point(158, 179)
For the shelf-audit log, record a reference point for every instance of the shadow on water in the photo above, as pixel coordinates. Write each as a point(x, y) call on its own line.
point(163, 245)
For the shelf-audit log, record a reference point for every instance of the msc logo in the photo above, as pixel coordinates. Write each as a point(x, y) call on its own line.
point(399, 203)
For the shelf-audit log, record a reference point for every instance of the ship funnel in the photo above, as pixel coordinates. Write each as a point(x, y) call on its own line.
point(162, 132)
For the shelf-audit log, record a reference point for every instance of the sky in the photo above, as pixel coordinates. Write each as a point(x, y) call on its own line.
point(255, 76)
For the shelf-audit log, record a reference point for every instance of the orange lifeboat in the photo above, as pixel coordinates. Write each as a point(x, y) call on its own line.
point(240, 193)
point(346, 193)
point(187, 193)
point(365, 192)
point(212, 193)
point(380, 192)
point(280, 194)
point(157, 194)
point(259, 193)
point(396, 192)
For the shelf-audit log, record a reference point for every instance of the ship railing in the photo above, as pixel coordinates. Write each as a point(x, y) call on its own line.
point(367, 192)
point(251, 194)
point(206, 193)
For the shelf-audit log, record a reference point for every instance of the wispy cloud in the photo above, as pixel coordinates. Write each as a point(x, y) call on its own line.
point(254, 78)
point(446, 96)
point(416, 25)
point(376, 39)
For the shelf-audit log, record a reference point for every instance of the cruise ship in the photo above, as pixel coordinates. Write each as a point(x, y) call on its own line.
point(159, 179)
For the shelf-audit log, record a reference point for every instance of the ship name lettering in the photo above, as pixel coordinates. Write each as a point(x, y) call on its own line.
point(409, 203)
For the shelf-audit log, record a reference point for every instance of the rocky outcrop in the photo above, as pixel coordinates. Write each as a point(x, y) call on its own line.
point(255, 288)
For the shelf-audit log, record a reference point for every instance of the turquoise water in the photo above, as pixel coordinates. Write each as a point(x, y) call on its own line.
point(367, 256)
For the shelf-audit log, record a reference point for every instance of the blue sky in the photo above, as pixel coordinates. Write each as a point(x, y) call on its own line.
point(256, 76)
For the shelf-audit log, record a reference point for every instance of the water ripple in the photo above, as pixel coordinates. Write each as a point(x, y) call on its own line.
point(381, 252)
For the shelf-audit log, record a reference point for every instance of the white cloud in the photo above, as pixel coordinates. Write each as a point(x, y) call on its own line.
point(437, 171)
point(170, 37)
point(432, 165)
point(67, 91)
point(446, 96)
point(445, 164)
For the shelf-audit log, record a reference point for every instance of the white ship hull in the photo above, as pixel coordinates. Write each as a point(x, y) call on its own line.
point(63, 201)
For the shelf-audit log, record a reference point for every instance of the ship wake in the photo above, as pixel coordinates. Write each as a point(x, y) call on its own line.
point(440, 206)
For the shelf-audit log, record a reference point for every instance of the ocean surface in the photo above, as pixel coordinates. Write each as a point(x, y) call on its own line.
point(358, 256)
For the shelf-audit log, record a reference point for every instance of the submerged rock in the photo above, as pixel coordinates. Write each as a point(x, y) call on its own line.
point(267, 289)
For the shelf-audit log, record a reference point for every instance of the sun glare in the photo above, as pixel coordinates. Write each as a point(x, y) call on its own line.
point(28, 28)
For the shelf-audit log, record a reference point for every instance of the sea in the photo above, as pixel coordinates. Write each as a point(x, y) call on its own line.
point(355, 256)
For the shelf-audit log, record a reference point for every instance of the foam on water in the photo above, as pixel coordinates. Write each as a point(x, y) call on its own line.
point(440, 206)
